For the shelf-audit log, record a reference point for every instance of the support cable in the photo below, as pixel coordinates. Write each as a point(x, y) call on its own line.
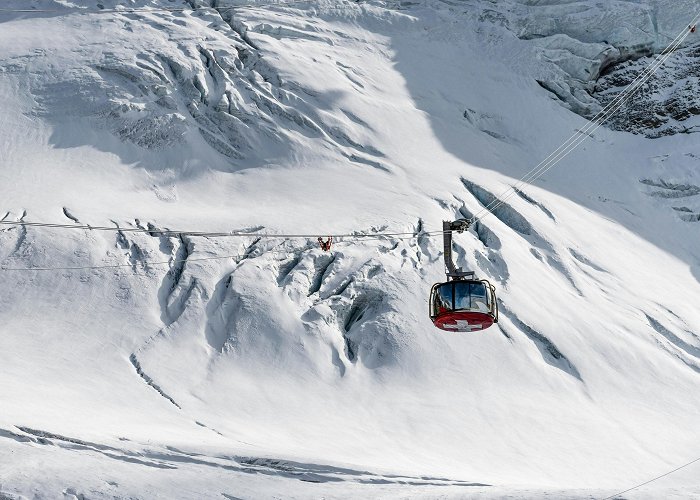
point(220, 234)
point(652, 480)
point(170, 262)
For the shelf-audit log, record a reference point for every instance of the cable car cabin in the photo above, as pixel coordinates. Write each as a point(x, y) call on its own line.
point(463, 305)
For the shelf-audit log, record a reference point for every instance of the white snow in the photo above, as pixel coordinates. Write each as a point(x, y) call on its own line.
point(294, 373)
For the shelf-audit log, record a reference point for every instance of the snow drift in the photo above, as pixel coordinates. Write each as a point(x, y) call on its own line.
point(276, 369)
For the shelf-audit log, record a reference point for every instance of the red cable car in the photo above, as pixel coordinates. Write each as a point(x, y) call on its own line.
point(463, 303)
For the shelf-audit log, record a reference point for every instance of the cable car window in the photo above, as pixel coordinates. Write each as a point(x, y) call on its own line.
point(470, 296)
point(462, 295)
point(479, 297)
point(443, 298)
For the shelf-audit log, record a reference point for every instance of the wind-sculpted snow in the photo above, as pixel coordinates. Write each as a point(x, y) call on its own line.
point(489, 259)
point(137, 366)
point(174, 459)
point(176, 290)
point(688, 352)
point(253, 366)
point(515, 221)
point(16, 234)
point(673, 184)
point(585, 261)
point(177, 80)
point(503, 211)
point(334, 294)
point(670, 190)
point(539, 205)
point(156, 99)
point(549, 351)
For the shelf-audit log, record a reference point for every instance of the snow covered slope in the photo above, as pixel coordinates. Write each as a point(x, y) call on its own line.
point(285, 371)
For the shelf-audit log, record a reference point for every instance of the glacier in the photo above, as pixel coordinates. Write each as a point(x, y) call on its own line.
point(263, 367)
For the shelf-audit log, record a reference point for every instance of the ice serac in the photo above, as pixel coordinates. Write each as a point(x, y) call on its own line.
point(165, 92)
point(666, 104)
point(591, 51)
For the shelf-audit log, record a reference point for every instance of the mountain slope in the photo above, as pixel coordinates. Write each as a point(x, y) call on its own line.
point(284, 370)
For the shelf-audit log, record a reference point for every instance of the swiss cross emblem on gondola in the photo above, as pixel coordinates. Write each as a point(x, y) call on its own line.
point(464, 303)
point(461, 325)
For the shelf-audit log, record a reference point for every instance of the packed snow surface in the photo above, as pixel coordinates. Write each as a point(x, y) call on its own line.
point(248, 367)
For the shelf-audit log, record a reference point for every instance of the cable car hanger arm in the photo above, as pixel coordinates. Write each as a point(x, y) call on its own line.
point(460, 226)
